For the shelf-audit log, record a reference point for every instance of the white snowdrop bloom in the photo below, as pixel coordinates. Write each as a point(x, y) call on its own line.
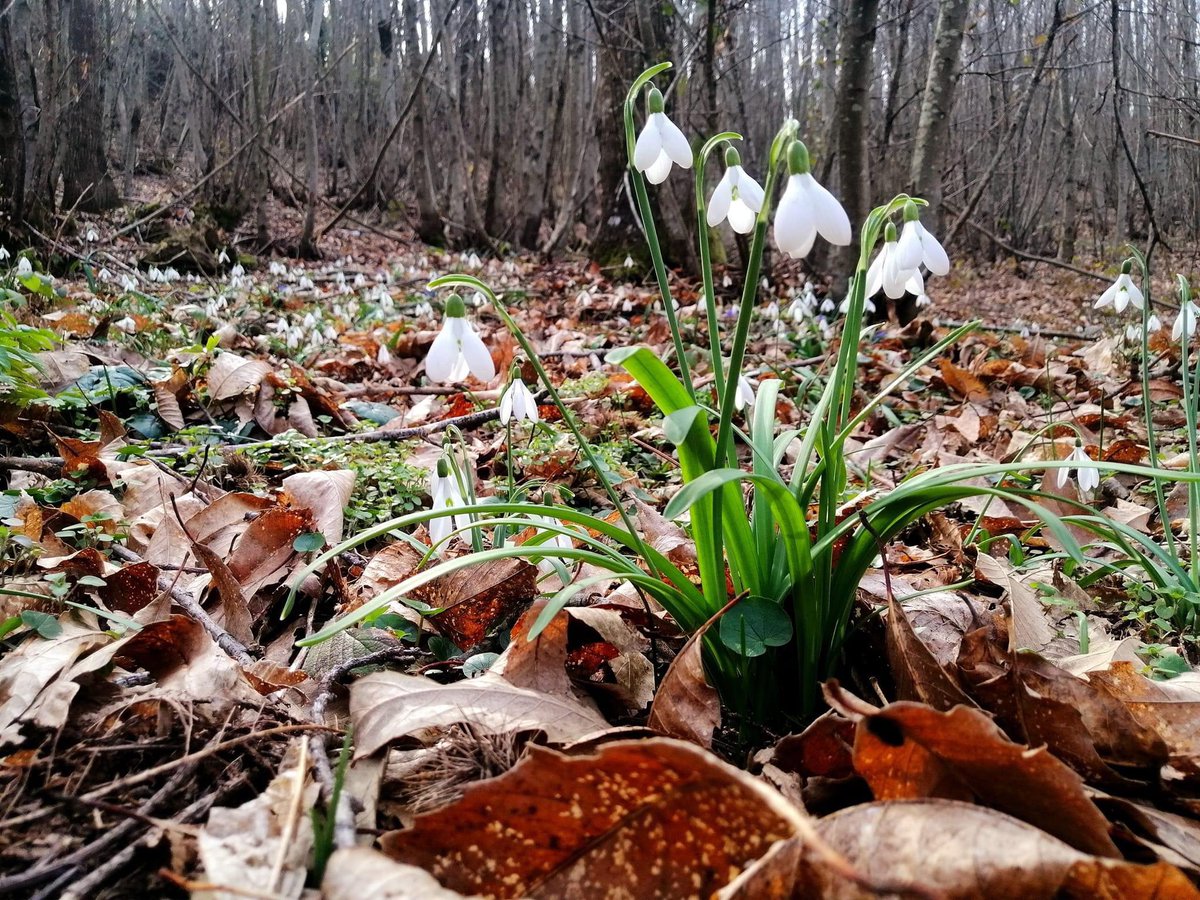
point(868, 305)
point(277, 268)
point(96, 305)
point(887, 272)
point(24, 267)
point(128, 283)
point(223, 257)
point(1086, 473)
point(477, 299)
point(446, 494)
point(661, 144)
point(1185, 322)
point(745, 393)
point(628, 262)
point(583, 299)
point(92, 236)
point(737, 197)
point(918, 246)
point(1154, 323)
point(423, 309)
point(104, 275)
point(309, 320)
point(292, 341)
point(726, 281)
point(386, 303)
point(4, 254)
point(305, 283)
point(827, 305)
point(170, 274)
point(807, 209)
point(771, 310)
point(458, 350)
point(384, 356)
point(237, 271)
point(518, 403)
point(127, 325)
point(557, 540)
point(1122, 293)
point(330, 333)
point(799, 309)
point(360, 280)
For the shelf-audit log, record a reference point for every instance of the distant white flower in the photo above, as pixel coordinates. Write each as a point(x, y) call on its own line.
point(4, 254)
point(127, 325)
point(1121, 294)
point(1086, 473)
point(384, 356)
point(628, 262)
point(24, 267)
point(557, 540)
point(360, 280)
point(917, 246)
point(827, 305)
point(104, 275)
point(128, 283)
point(277, 268)
point(1185, 322)
point(726, 281)
point(305, 283)
point(458, 350)
point(660, 144)
point(223, 258)
point(170, 274)
point(737, 197)
point(745, 393)
point(518, 403)
point(237, 271)
point(92, 236)
point(807, 209)
point(446, 494)
point(423, 309)
point(771, 310)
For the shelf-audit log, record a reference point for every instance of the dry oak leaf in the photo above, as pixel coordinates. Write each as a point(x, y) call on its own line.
point(962, 382)
point(686, 705)
point(1169, 708)
point(910, 750)
point(231, 376)
point(387, 705)
point(956, 850)
point(327, 493)
point(650, 818)
point(918, 674)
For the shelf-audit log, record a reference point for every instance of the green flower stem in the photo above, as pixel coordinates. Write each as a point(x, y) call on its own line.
point(585, 446)
point(703, 233)
point(643, 204)
point(1160, 496)
point(1189, 407)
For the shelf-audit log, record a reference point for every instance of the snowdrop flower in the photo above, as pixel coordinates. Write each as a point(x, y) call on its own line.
point(360, 280)
point(237, 271)
point(104, 275)
point(128, 283)
point(330, 333)
point(1122, 293)
point(1085, 470)
point(305, 283)
point(917, 246)
point(4, 254)
point(92, 236)
point(807, 209)
point(628, 262)
point(844, 306)
point(737, 197)
point(171, 274)
point(660, 144)
point(277, 268)
point(446, 493)
point(127, 325)
point(916, 286)
point(557, 540)
point(422, 309)
point(726, 281)
point(888, 272)
point(1185, 322)
point(223, 258)
point(24, 268)
point(827, 305)
point(458, 350)
point(518, 403)
point(745, 393)
point(771, 310)
point(800, 308)
point(383, 357)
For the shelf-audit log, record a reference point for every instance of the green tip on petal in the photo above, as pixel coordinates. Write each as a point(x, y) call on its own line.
point(797, 155)
point(889, 233)
point(732, 157)
point(912, 212)
point(654, 100)
point(455, 307)
point(1127, 267)
point(443, 467)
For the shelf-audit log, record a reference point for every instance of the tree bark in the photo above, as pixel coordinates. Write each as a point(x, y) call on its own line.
point(87, 186)
point(937, 102)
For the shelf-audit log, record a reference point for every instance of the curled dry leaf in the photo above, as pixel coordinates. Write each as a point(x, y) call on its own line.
point(637, 818)
point(477, 598)
point(1169, 708)
point(232, 375)
point(327, 494)
point(918, 674)
point(355, 872)
point(956, 850)
point(910, 750)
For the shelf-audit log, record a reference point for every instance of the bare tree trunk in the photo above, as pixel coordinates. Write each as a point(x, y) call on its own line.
point(12, 149)
point(87, 185)
point(937, 102)
point(429, 222)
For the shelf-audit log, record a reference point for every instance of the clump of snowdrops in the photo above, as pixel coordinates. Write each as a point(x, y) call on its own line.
point(794, 547)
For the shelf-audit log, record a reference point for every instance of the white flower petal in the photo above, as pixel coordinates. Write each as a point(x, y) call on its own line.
point(830, 219)
point(742, 217)
point(443, 356)
point(506, 404)
point(1109, 295)
point(649, 144)
point(722, 196)
point(935, 258)
point(793, 225)
point(909, 245)
point(674, 142)
point(659, 169)
point(478, 359)
point(750, 191)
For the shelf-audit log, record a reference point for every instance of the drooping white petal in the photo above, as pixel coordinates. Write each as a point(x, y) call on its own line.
point(1089, 478)
point(506, 404)
point(1134, 293)
point(741, 217)
point(722, 197)
point(745, 393)
point(649, 144)
point(477, 357)
point(875, 273)
point(750, 191)
point(794, 229)
point(443, 355)
point(674, 142)
point(659, 169)
point(915, 284)
point(909, 245)
point(830, 219)
point(1109, 295)
point(894, 277)
point(933, 254)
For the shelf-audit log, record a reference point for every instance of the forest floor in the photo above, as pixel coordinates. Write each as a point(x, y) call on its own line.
point(1005, 723)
